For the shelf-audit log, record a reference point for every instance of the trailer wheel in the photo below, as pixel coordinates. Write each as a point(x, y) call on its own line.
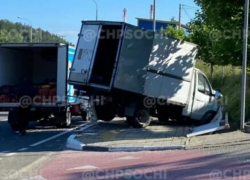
point(141, 119)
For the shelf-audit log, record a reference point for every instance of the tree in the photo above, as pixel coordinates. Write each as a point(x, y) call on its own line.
point(17, 32)
point(217, 29)
point(174, 32)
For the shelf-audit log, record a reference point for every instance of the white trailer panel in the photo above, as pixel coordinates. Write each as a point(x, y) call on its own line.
point(173, 57)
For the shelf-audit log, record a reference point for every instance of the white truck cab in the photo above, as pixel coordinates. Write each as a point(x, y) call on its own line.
point(202, 99)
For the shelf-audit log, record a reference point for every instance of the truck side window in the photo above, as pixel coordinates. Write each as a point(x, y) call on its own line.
point(203, 85)
point(207, 88)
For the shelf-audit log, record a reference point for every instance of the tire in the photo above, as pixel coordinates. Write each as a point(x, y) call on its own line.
point(141, 119)
point(207, 118)
point(106, 113)
point(66, 117)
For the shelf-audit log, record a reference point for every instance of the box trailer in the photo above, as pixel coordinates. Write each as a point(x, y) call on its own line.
point(125, 67)
point(45, 66)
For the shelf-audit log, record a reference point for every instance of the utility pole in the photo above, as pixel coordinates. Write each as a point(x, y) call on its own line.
point(154, 21)
point(125, 15)
point(180, 9)
point(96, 15)
point(244, 66)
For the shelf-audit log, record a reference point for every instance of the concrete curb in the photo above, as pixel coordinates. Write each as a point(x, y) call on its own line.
point(130, 149)
point(72, 143)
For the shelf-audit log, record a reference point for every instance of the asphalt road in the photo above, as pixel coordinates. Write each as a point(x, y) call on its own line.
point(41, 155)
point(21, 157)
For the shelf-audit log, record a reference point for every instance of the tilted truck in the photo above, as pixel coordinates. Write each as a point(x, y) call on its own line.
point(45, 66)
point(138, 74)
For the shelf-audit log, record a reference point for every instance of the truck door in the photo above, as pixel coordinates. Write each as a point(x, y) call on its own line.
point(203, 100)
point(62, 68)
point(84, 56)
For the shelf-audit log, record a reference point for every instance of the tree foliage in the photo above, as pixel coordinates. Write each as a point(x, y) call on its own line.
point(174, 32)
point(217, 29)
point(17, 32)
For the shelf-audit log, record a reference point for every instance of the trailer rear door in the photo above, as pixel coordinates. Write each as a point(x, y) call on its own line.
point(62, 69)
point(84, 56)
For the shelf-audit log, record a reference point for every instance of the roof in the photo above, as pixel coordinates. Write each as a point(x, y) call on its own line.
point(162, 21)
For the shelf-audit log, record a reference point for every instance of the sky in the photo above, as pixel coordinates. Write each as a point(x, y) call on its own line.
point(63, 17)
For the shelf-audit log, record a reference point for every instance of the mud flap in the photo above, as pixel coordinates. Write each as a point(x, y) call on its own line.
point(218, 123)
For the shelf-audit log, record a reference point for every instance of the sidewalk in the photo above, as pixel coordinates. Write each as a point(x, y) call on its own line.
point(117, 135)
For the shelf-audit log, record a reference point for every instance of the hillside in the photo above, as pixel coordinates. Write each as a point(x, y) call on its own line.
point(17, 32)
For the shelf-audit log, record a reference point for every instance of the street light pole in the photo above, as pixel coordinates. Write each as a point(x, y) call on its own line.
point(96, 9)
point(244, 66)
point(31, 33)
point(154, 21)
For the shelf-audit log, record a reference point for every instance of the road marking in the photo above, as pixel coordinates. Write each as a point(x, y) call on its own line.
point(10, 154)
point(86, 126)
point(30, 168)
point(23, 149)
point(87, 167)
point(128, 158)
point(1, 159)
point(90, 134)
point(36, 178)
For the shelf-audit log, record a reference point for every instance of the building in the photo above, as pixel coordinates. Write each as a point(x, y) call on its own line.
point(148, 24)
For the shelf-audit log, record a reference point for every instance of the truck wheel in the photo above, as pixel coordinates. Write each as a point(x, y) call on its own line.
point(64, 119)
point(207, 118)
point(141, 119)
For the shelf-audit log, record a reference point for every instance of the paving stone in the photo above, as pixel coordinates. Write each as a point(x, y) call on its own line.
point(118, 134)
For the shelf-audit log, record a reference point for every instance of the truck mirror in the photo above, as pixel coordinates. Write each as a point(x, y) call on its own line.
point(218, 95)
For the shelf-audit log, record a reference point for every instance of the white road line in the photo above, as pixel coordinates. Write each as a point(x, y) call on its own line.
point(23, 149)
point(61, 134)
point(10, 154)
point(1, 159)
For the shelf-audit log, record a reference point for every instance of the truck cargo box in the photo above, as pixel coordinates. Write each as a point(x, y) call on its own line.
point(43, 65)
point(119, 56)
